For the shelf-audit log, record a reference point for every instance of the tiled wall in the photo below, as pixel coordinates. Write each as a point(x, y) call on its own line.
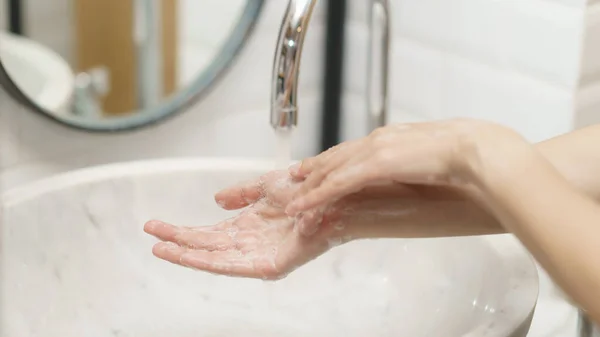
point(588, 96)
point(514, 62)
point(530, 64)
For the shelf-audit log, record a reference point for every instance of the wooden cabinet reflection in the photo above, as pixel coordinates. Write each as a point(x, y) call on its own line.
point(104, 37)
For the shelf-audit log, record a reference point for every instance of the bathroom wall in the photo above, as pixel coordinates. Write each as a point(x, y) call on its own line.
point(588, 95)
point(513, 62)
point(231, 121)
point(530, 64)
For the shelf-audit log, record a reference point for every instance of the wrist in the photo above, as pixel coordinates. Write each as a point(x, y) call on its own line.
point(345, 219)
point(493, 152)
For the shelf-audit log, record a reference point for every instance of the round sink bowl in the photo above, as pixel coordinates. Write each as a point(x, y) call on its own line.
point(77, 263)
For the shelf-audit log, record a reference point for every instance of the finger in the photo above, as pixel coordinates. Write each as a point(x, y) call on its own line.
point(196, 237)
point(310, 222)
point(348, 180)
point(294, 170)
point(224, 263)
point(161, 230)
point(168, 251)
point(306, 167)
point(317, 177)
point(240, 196)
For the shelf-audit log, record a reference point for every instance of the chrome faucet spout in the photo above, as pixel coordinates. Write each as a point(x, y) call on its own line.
point(284, 91)
point(286, 67)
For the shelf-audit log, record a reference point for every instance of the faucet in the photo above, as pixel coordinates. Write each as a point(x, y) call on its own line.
point(286, 66)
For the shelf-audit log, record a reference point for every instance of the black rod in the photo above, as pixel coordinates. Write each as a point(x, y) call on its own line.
point(334, 69)
point(15, 16)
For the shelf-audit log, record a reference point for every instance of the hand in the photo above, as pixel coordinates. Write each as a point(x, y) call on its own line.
point(442, 153)
point(260, 242)
point(390, 211)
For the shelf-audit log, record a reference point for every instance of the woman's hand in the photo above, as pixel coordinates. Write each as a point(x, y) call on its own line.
point(387, 211)
point(260, 242)
point(263, 242)
point(445, 153)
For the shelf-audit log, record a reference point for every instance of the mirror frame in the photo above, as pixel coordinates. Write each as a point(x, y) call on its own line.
point(174, 104)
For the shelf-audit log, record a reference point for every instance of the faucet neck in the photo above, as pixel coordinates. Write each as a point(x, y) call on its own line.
point(286, 66)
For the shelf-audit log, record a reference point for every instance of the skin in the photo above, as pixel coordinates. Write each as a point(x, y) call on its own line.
point(460, 177)
point(260, 242)
point(558, 224)
point(498, 170)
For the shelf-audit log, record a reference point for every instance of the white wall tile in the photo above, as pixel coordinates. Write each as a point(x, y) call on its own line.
point(588, 105)
point(513, 62)
point(9, 145)
point(535, 109)
point(538, 37)
point(590, 69)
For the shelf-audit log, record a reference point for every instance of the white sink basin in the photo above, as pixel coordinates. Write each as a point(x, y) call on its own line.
point(77, 263)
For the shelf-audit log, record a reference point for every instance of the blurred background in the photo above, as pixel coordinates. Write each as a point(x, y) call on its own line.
point(533, 65)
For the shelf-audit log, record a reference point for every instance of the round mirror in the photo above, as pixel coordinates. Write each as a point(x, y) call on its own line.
point(113, 65)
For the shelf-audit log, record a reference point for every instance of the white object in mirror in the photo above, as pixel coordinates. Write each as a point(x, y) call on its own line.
point(38, 71)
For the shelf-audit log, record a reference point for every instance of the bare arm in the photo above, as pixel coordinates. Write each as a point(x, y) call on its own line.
point(438, 212)
point(557, 223)
point(545, 195)
point(576, 156)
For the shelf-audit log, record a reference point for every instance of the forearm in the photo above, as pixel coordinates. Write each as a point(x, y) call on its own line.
point(406, 217)
point(557, 223)
point(449, 213)
point(543, 196)
point(577, 157)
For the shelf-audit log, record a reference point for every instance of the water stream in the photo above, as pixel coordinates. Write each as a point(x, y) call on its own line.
point(283, 157)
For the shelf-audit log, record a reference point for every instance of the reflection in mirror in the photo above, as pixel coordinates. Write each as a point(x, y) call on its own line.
point(119, 64)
